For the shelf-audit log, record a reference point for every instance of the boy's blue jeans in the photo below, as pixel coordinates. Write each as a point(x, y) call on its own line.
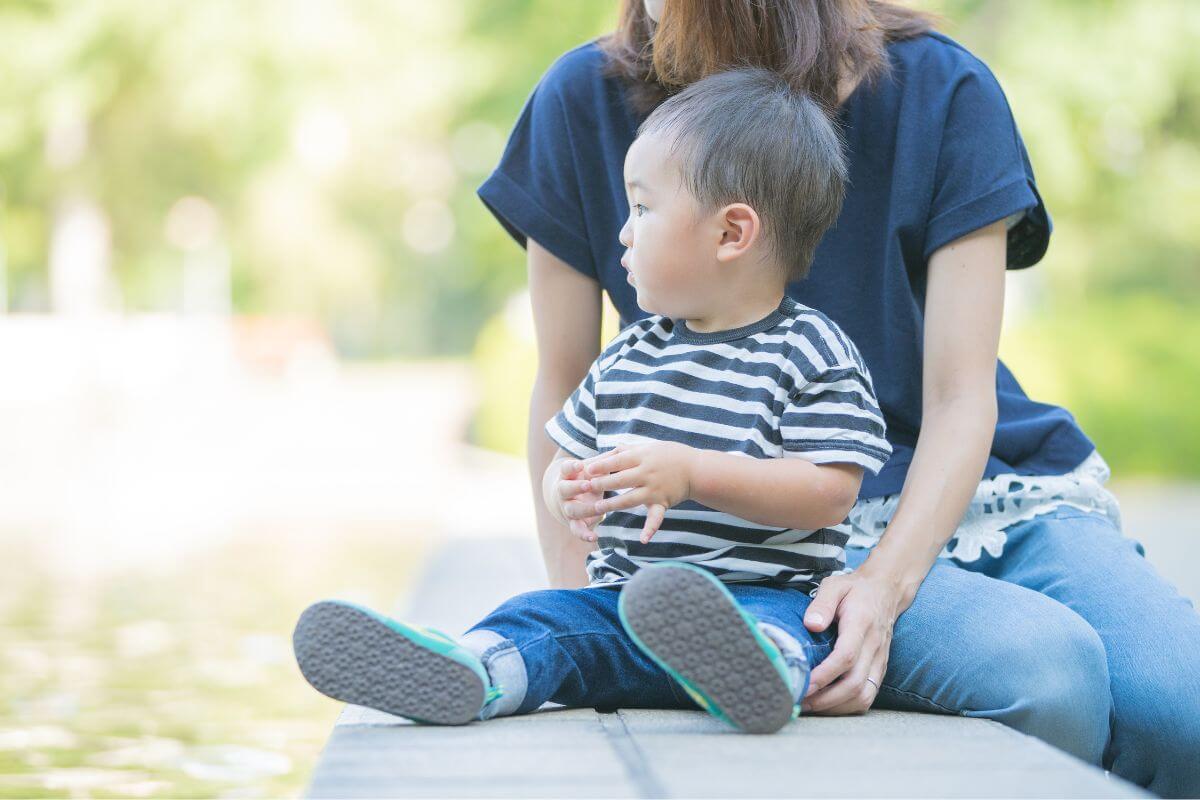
point(1071, 636)
point(567, 646)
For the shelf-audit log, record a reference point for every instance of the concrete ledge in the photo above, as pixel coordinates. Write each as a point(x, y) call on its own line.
point(643, 753)
point(639, 753)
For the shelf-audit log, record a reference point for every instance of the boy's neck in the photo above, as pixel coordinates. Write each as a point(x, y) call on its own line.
point(736, 314)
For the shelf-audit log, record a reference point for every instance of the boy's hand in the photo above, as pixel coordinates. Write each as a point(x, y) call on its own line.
point(576, 504)
point(657, 475)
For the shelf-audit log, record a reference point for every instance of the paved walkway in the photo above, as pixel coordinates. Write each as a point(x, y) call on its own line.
point(583, 753)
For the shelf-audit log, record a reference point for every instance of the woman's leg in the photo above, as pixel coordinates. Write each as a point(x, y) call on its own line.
point(980, 647)
point(1151, 637)
point(567, 646)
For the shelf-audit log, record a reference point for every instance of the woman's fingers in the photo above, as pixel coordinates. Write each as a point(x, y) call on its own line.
point(569, 467)
point(851, 634)
point(868, 692)
point(654, 518)
point(851, 693)
point(824, 606)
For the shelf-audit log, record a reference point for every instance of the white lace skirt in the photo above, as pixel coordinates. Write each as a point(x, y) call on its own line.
point(999, 502)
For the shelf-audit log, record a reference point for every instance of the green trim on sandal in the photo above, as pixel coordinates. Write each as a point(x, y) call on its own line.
point(764, 642)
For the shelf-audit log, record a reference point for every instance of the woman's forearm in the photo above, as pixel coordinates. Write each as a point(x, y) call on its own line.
point(951, 453)
point(565, 555)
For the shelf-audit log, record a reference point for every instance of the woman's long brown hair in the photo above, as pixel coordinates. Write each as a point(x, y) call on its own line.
point(814, 43)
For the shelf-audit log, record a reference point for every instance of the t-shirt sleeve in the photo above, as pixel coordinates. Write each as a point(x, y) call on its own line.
point(832, 416)
point(535, 190)
point(983, 172)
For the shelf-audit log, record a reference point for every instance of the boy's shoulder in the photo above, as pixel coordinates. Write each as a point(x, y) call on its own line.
point(631, 334)
point(807, 334)
point(816, 337)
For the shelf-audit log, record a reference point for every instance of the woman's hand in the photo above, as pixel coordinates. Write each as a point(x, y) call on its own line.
point(657, 475)
point(865, 605)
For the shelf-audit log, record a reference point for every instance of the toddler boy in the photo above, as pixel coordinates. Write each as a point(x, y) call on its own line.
point(707, 453)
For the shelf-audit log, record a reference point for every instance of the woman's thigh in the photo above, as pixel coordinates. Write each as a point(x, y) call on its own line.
point(973, 645)
point(1150, 632)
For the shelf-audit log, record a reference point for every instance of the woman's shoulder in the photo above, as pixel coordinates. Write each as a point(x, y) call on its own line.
point(577, 72)
point(933, 57)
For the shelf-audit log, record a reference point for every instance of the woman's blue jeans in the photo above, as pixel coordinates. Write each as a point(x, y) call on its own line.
point(1070, 636)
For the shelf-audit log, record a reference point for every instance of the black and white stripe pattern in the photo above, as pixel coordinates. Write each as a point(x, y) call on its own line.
point(791, 385)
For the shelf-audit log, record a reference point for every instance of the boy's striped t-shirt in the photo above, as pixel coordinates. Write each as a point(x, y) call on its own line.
point(791, 385)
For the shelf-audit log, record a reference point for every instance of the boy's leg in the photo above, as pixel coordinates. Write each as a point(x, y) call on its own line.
point(356, 655)
point(746, 669)
point(567, 646)
point(780, 614)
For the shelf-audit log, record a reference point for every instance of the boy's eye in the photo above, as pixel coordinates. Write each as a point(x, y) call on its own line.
point(637, 208)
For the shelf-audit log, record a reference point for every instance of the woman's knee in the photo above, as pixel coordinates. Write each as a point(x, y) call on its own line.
point(1052, 682)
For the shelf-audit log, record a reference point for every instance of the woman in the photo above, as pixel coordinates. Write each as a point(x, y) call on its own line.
point(1062, 629)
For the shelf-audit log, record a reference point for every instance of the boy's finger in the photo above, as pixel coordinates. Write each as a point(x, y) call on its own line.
point(626, 479)
point(568, 489)
point(631, 499)
point(582, 505)
point(581, 530)
point(609, 462)
point(569, 467)
point(654, 518)
point(576, 510)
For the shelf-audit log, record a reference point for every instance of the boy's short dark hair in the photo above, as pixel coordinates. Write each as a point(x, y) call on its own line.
point(746, 135)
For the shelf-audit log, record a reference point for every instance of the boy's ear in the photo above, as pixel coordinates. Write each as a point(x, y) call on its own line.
point(740, 229)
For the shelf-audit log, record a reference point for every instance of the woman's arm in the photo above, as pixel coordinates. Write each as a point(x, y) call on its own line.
point(964, 302)
point(566, 317)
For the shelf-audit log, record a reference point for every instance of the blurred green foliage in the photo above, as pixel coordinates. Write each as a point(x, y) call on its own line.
point(1136, 396)
point(338, 143)
point(339, 146)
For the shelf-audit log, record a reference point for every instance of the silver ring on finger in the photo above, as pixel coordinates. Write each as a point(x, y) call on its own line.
point(873, 683)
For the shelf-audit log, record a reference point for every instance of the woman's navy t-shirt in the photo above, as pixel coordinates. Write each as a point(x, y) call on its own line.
point(934, 154)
